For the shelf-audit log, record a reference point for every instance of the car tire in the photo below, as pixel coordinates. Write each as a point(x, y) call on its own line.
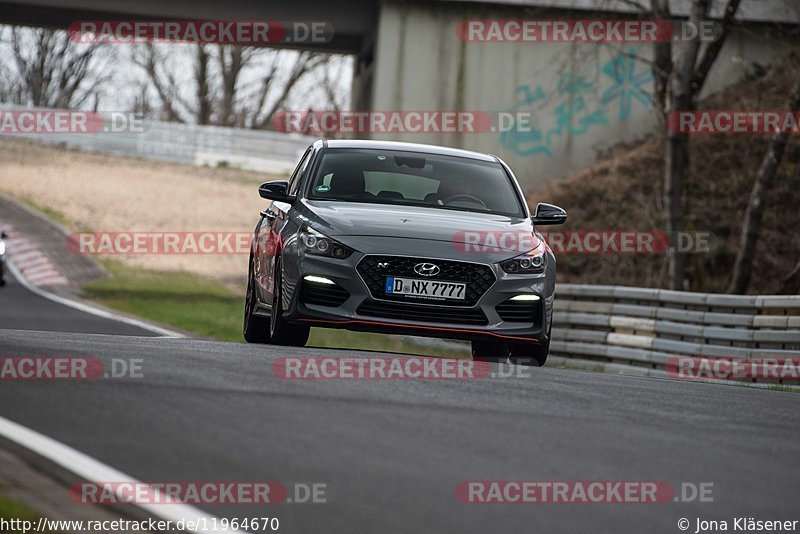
point(281, 332)
point(532, 354)
point(490, 351)
point(255, 328)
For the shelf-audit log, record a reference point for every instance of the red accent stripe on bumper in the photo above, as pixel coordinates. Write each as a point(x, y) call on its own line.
point(436, 328)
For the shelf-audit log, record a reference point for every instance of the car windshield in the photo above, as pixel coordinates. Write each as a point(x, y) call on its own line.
point(415, 179)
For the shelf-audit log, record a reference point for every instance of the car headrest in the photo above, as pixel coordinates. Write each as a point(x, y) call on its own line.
point(348, 182)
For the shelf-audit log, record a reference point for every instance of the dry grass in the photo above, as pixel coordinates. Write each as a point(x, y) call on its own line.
point(113, 193)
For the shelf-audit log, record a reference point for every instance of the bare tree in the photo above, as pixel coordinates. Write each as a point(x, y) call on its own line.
point(680, 71)
point(232, 60)
point(332, 74)
point(791, 284)
point(163, 80)
point(224, 87)
point(262, 114)
point(662, 61)
point(751, 228)
point(204, 105)
point(51, 70)
point(676, 146)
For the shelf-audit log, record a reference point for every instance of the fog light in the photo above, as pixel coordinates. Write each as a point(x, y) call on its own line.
point(318, 280)
point(528, 297)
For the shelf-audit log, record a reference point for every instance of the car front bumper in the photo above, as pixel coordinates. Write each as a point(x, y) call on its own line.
point(326, 305)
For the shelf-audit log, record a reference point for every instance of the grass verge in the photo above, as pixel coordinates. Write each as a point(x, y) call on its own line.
point(181, 300)
point(11, 509)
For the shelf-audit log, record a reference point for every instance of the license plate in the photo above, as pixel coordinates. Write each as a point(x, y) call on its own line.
point(425, 288)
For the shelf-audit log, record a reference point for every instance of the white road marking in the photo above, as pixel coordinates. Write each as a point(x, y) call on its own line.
point(90, 309)
point(90, 470)
point(24, 261)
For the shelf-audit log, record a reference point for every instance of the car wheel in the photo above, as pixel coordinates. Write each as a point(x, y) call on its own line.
point(531, 354)
point(255, 329)
point(490, 351)
point(281, 332)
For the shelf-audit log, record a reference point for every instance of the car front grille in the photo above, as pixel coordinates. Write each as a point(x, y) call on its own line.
point(425, 314)
point(323, 294)
point(479, 278)
point(519, 311)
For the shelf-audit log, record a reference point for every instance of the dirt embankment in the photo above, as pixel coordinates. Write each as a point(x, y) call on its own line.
point(624, 192)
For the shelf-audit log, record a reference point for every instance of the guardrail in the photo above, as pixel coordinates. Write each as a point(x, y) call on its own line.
point(643, 331)
point(256, 150)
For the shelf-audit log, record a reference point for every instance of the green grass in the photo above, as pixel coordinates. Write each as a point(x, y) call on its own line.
point(780, 387)
point(11, 509)
point(210, 309)
point(181, 300)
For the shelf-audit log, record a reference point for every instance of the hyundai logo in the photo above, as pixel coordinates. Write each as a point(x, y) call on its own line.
point(427, 269)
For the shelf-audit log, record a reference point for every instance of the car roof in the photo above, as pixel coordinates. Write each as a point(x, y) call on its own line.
point(407, 147)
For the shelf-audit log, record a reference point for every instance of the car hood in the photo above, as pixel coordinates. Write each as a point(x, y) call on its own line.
point(341, 219)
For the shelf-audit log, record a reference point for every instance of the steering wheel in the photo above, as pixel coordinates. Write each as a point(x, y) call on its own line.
point(466, 197)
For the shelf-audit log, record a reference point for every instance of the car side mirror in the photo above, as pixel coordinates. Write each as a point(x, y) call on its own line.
point(3, 235)
point(549, 214)
point(277, 190)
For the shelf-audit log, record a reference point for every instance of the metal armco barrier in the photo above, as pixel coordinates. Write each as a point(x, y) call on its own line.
point(631, 330)
point(255, 150)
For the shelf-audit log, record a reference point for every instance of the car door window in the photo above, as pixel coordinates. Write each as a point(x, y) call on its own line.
point(299, 172)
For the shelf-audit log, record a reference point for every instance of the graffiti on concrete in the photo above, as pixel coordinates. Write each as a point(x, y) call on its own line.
point(576, 110)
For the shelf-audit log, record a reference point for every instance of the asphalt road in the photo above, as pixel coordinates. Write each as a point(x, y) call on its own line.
point(19, 308)
point(393, 452)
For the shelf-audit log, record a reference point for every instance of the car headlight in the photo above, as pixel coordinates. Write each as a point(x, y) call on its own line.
point(533, 261)
point(313, 242)
point(2, 248)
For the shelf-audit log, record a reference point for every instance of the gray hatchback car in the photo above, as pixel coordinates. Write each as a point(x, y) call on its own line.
point(403, 238)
